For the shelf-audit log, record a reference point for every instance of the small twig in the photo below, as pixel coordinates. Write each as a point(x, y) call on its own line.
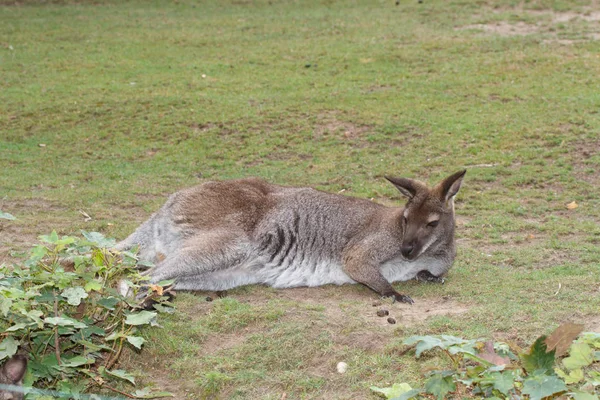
point(85, 215)
point(56, 338)
point(454, 361)
point(112, 361)
point(559, 286)
point(117, 391)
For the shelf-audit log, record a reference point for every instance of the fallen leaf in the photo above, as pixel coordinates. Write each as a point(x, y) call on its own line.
point(538, 358)
point(489, 354)
point(157, 288)
point(572, 205)
point(562, 337)
point(86, 216)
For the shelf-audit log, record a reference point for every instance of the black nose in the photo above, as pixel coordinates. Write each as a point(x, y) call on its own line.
point(407, 250)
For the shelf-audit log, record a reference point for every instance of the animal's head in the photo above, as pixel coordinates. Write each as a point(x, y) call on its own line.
point(11, 374)
point(428, 218)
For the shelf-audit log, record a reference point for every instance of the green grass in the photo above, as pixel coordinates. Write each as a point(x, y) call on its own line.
point(134, 101)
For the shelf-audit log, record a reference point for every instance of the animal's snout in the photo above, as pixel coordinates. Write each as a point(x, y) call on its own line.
point(408, 250)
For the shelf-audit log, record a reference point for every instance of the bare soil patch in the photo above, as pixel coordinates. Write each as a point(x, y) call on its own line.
point(548, 24)
point(593, 324)
point(363, 311)
point(328, 124)
point(504, 28)
point(582, 155)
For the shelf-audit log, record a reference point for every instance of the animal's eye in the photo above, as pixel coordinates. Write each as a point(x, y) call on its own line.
point(433, 224)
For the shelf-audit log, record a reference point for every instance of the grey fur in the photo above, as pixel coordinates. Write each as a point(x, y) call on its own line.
point(220, 235)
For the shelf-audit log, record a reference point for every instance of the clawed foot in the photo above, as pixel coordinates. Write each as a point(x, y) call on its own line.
point(402, 298)
point(426, 276)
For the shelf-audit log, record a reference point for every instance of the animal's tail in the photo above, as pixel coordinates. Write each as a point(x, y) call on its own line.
point(142, 237)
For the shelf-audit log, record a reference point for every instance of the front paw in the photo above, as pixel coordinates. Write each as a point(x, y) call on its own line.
point(402, 298)
point(426, 276)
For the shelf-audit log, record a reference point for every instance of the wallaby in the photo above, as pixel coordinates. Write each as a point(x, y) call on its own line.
point(224, 234)
point(11, 374)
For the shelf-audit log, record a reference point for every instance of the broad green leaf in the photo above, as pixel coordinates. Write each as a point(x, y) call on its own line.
point(440, 386)
point(541, 385)
point(5, 215)
point(36, 254)
point(408, 395)
point(121, 374)
point(91, 346)
point(8, 347)
point(146, 393)
point(5, 304)
point(580, 355)
point(93, 285)
point(108, 302)
point(395, 390)
point(51, 238)
point(572, 377)
point(594, 378)
point(145, 263)
point(76, 361)
point(503, 382)
point(136, 341)
point(64, 321)
point(141, 318)
point(74, 295)
point(114, 336)
point(577, 395)
point(92, 330)
point(98, 239)
point(538, 358)
point(424, 343)
point(17, 327)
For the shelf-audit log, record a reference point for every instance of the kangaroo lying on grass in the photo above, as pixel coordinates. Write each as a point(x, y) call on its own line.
point(220, 235)
point(11, 374)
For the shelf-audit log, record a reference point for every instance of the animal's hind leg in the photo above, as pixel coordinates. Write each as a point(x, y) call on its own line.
point(203, 254)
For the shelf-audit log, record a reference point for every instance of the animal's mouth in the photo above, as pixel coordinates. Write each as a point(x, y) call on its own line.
point(426, 276)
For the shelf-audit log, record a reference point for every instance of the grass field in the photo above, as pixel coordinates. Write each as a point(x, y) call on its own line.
point(107, 107)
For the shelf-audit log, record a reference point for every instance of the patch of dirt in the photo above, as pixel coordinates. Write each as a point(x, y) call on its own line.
point(504, 28)
point(548, 24)
point(593, 16)
point(364, 311)
point(224, 341)
point(592, 324)
point(581, 155)
point(328, 124)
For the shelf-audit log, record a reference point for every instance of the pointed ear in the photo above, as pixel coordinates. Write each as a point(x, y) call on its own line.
point(451, 185)
point(407, 187)
point(15, 368)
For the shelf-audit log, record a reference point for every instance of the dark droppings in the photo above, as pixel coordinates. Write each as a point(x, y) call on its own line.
point(382, 313)
point(391, 320)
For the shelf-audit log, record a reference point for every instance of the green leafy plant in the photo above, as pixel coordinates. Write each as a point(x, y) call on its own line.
point(557, 365)
point(61, 307)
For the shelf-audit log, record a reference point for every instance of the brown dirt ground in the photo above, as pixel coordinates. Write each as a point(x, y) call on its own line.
point(504, 28)
point(348, 316)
